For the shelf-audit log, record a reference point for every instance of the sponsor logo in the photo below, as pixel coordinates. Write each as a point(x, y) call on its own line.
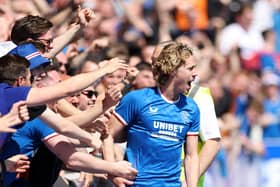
point(153, 110)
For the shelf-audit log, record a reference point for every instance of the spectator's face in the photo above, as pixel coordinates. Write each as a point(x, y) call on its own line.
point(87, 98)
point(62, 61)
point(245, 19)
point(114, 78)
point(47, 40)
point(271, 90)
point(23, 80)
point(144, 79)
point(252, 115)
point(51, 77)
point(74, 99)
point(38, 73)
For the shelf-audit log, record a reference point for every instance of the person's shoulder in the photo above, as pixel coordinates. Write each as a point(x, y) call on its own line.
point(10, 94)
point(190, 103)
point(202, 93)
point(232, 28)
point(142, 92)
point(4, 86)
point(36, 125)
point(189, 100)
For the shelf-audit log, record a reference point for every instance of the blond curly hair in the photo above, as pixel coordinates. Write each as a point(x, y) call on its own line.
point(171, 55)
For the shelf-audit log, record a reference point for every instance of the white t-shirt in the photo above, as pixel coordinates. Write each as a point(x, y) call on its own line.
point(233, 35)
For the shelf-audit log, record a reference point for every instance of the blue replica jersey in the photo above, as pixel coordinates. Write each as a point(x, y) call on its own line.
point(25, 141)
point(271, 132)
point(8, 96)
point(156, 130)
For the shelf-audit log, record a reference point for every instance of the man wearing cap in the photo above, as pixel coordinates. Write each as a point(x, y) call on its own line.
point(31, 54)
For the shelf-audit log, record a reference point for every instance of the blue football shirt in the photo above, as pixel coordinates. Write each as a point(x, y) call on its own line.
point(25, 141)
point(156, 131)
point(8, 96)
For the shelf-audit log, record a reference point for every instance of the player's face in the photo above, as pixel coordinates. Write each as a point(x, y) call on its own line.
point(185, 74)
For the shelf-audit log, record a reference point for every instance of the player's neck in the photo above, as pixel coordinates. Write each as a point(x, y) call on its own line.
point(168, 92)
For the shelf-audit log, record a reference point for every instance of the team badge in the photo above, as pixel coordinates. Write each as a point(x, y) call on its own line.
point(185, 116)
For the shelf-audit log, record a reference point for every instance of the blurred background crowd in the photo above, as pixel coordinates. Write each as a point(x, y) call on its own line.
point(237, 44)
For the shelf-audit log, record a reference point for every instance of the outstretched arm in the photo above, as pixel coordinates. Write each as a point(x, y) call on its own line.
point(85, 16)
point(67, 128)
point(74, 84)
point(116, 131)
point(85, 162)
point(112, 96)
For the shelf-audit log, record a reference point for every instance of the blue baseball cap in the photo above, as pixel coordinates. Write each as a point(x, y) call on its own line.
point(31, 54)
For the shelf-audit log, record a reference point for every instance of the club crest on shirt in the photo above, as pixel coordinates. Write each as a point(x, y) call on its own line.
point(153, 110)
point(185, 116)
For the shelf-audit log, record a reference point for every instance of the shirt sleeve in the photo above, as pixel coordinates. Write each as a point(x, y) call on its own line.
point(194, 128)
point(43, 131)
point(128, 108)
point(15, 94)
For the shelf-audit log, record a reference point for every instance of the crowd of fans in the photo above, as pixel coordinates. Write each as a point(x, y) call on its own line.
point(236, 43)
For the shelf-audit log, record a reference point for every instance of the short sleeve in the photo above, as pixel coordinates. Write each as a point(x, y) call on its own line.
point(12, 95)
point(128, 108)
point(194, 128)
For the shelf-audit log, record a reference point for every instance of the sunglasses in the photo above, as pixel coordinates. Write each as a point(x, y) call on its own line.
point(89, 93)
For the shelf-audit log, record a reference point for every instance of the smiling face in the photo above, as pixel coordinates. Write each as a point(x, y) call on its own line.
point(87, 98)
point(113, 78)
